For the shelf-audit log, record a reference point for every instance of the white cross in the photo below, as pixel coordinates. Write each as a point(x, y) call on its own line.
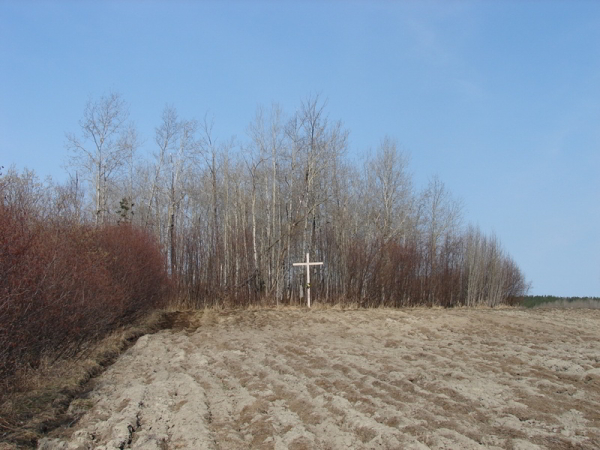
point(308, 264)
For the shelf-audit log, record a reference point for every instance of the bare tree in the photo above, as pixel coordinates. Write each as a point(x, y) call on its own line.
point(69, 199)
point(102, 150)
point(177, 154)
point(267, 144)
point(440, 218)
point(390, 185)
point(26, 192)
point(253, 165)
point(475, 268)
point(209, 151)
point(322, 144)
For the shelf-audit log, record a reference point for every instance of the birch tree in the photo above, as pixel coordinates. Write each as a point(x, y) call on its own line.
point(391, 187)
point(322, 146)
point(440, 217)
point(267, 143)
point(102, 148)
point(177, 153)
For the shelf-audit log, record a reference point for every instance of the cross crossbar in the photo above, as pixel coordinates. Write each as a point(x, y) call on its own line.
point(308, 264)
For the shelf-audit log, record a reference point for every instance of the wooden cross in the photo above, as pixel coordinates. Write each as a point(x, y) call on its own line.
point(308, 264)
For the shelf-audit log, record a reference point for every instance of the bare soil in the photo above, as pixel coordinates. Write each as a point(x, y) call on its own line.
point(358, 379)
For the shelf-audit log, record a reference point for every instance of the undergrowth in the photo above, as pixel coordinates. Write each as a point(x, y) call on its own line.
point(40, 397)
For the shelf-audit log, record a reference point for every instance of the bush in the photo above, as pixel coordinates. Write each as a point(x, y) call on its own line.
point(63, 284)
point(135, 263)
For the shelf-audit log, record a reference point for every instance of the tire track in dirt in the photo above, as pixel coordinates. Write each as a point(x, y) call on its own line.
point(367, 379)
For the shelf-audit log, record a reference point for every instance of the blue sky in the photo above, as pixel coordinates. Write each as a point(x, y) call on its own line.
point(500, 99)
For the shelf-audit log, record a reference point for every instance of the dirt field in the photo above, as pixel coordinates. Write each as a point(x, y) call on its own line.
point(332, 379)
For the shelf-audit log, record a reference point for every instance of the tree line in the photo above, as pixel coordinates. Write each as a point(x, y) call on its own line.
point(232, 215)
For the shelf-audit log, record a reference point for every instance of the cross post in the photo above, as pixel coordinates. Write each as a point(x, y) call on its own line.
point(308, 264)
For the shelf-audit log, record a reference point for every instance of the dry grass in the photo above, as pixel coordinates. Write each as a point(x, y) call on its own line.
point(38, 398)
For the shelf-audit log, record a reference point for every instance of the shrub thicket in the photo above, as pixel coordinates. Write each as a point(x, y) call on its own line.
point(64, 284)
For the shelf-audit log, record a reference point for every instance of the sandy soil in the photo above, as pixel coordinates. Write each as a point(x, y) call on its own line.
point(331, 379)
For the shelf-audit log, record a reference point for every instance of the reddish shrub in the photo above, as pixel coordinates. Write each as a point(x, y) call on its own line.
point(136, 265)
point(63, 284)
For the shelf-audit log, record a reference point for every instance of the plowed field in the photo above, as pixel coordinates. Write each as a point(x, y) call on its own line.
point(360, 379)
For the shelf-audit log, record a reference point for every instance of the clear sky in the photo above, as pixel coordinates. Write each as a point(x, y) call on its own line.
point(500, 99)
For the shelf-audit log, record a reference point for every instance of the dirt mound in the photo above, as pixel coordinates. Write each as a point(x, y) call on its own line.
point(331, 379)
